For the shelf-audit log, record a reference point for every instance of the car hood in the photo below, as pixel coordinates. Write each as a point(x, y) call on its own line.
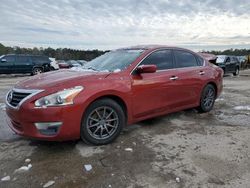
point(58, 78)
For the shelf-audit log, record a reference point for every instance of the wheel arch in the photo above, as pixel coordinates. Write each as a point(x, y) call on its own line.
point(115, 98)
point(214, 85)
point(37, 66)
point(84, 133)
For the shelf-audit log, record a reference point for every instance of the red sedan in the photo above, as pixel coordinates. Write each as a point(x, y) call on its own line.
point(118, 88)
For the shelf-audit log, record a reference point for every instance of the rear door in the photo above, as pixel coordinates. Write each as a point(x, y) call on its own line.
point(234, 63)
point(191, 74)
point(154, 93)
point(23, 64)
point(7, 64)
point(44, 62)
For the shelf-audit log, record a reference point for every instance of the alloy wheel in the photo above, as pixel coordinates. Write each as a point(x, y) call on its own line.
point(208, 99)
point(37, 71)
point(102, 122)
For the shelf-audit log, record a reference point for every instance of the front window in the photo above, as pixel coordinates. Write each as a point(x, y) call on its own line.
point(162, 59)
point(9, 58)
point(114, 61)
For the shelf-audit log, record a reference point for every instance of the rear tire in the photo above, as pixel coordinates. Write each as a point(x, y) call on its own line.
point(37, 70)
point(207, 99)
point(102, 122)
point(224, 71)
point(237, 71)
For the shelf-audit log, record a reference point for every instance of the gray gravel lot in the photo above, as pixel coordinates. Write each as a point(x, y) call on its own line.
point(183, 149)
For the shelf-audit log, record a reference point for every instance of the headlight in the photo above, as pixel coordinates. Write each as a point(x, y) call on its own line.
point(60, 98)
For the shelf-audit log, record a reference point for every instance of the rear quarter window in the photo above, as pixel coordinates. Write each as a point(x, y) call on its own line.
point(40, 59)
point(200, 61)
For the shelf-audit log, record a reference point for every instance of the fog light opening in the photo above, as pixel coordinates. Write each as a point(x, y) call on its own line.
point(48, 128)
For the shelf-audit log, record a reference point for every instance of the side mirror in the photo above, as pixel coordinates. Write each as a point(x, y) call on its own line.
point(146, 69)
point(3, 60)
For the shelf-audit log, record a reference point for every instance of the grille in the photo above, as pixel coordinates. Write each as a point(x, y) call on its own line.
point(17, 97)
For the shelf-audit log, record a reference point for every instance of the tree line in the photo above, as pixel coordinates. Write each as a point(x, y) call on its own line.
point(67, 53)
point(59, 53)
point(236, 52)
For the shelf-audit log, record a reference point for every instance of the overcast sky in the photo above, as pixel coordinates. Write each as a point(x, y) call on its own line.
point(108, 24)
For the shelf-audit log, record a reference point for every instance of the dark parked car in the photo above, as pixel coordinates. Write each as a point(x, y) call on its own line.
point(15, 64)
point(229, 64)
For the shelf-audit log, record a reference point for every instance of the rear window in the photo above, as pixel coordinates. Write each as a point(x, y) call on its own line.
point(184, 59)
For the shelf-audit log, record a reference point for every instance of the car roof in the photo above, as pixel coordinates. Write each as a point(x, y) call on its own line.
point(28, 55)
point(150, 47)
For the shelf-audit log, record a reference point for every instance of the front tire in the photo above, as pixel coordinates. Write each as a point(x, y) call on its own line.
point(102, 122)
point(207, 99)
point(237, 71)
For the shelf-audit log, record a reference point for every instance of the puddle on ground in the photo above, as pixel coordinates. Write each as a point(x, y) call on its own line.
point(244, 108)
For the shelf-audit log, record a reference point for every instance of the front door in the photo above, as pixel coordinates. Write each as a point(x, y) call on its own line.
point(7, 64)
point(153, 93)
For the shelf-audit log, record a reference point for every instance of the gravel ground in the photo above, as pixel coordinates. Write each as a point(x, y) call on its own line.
point(183, 149)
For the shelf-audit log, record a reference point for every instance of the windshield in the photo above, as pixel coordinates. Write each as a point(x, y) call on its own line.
point(113, 61)
point(220, 59)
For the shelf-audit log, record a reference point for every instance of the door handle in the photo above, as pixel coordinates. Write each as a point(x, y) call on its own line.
point(173, 78)
point(201, 73)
